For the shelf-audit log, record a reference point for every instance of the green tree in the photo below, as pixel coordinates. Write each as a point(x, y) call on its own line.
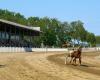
point(55, 32)
point(33, 21)
point(49, 38)
point(78, 31)
point(91, 39)
point(20, 19)
point(98, 39)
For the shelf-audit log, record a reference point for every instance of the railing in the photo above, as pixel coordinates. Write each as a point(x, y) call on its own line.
point(26, 49)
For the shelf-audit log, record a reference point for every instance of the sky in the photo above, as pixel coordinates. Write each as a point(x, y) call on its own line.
point(88, 11)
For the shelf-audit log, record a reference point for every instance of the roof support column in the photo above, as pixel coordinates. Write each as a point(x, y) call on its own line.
point(19, 34)
point(15, 35)
point(9, 35)
point(5, 33)
point(30, 39)
point(0, 30)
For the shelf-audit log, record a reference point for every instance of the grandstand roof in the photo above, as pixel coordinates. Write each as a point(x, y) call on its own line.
point(19, 25)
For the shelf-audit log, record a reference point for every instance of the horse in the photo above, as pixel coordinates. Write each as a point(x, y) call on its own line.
point(74, 54)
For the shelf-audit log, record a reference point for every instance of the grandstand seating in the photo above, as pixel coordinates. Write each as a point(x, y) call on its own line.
point(15, 43)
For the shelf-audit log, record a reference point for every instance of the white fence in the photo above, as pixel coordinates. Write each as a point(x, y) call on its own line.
point(49, 49)
point(91, 49)
point(22, 49)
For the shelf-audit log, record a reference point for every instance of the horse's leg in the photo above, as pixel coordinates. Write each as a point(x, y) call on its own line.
point(74, 60)
point(80, 60)
point(71, 59)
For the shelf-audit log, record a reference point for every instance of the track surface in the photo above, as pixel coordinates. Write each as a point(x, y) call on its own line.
point(48, 66)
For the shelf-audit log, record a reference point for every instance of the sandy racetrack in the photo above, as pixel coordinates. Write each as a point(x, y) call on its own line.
point(47, 66)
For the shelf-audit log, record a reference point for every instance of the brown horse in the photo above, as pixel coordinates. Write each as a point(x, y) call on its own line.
point(76, 54)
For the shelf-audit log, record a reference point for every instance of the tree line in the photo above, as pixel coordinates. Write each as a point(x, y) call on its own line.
point(54, 32)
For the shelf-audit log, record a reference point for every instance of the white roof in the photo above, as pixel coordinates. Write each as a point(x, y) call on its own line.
point(19, 25)
point(35, 28)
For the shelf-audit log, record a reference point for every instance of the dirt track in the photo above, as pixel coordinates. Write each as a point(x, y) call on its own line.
point(47, 66)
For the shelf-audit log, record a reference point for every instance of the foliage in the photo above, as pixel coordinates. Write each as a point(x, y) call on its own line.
point(98, 39)
point(55, 32)
point(49, 38)
point(91, 39)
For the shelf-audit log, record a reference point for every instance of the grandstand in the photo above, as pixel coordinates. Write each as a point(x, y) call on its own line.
point(16, 35)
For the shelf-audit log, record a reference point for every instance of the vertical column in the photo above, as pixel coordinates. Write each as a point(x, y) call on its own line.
point(5, 36)
point(15, 35)
point(22, 37)
point(9, 37)
point(0, 31)
point(0, 34)
point(19, 37)
point(14, 48)
point(30, 39)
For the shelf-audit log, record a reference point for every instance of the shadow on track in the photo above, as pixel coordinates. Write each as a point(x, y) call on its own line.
point(2, 66)
point(83, 67)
